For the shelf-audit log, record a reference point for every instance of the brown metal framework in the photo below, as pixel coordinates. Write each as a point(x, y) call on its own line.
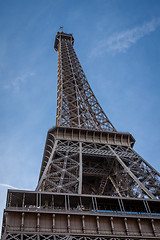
point(57, 216)
point(92, 184)
point(84, 153)
point(95, 162)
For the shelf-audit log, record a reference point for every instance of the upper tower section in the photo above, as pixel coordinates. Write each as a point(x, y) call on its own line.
point(77, 105)
point(60, 36)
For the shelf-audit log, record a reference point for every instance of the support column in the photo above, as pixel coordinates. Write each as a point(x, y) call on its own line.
point(80, 169)
point(22, 222)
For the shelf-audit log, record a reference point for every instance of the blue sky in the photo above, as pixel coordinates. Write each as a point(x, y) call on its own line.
point(117, 42)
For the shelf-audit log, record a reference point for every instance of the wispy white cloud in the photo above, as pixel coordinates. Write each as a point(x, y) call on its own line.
point(16, 82)
point(6, 185)
point(10, 186)
point(123, 40)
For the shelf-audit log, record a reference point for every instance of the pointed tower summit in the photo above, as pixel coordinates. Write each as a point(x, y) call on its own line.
point(92, 184)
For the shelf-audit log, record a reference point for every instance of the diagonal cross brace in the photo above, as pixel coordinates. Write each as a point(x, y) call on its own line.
point(132, 175)
point(46, 168)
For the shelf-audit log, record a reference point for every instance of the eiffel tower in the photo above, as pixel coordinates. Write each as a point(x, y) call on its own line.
point(92, 184)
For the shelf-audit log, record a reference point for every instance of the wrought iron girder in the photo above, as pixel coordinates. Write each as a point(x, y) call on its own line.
point(143, 171)
point(141, 185)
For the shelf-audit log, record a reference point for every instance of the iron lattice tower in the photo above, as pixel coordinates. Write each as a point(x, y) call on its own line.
point(92, 184)
point(101, 160)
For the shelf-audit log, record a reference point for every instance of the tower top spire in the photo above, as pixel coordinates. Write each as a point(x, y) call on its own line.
point(61, 35)
point(61, 29)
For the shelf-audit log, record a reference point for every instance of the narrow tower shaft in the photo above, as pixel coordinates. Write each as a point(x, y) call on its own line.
point(77, 105)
